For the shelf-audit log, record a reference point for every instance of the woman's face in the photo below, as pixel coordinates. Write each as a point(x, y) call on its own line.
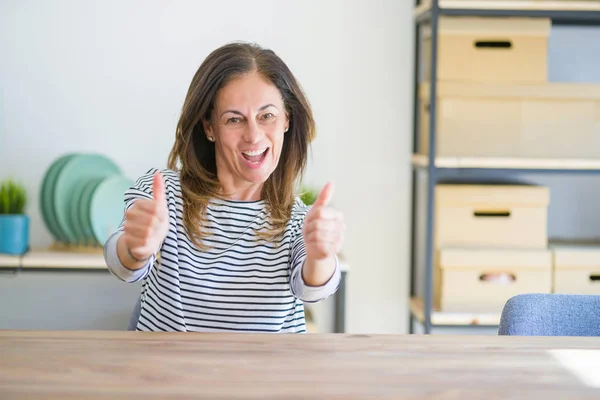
point(248, 125)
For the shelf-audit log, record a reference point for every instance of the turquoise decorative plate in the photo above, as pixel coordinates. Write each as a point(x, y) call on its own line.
point(80, 223)
point(74, 214)
point(85, 203)
point(76, 172)
point(108, 206)
point(46, 198)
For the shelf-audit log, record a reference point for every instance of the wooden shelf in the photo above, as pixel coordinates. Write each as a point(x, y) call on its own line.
point(56, 259)
point(521, 5)
point(419, 160)
point(10, 261)
point(439, 318)
point(52, 259)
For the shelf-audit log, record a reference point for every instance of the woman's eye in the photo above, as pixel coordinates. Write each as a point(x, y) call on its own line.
point(268, 116)
point(233, 120)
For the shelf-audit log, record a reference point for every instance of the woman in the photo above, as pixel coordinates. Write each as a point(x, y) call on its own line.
point(219, 237)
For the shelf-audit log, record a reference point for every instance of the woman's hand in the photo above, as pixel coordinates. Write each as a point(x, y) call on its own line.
point(323, 232)
point(146, 225)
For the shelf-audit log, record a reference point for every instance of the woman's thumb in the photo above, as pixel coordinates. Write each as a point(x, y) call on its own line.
point(158, 188)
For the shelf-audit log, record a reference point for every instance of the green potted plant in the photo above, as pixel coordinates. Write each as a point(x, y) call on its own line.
point(14, 224)
point(308, 195)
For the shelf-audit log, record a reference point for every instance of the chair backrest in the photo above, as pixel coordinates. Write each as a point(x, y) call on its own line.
point(135, 315)
point(551, 315)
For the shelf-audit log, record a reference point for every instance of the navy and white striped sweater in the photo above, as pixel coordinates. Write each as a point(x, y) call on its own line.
point(240, 284)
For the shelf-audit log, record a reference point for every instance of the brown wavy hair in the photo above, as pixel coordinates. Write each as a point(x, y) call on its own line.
point(193, 155)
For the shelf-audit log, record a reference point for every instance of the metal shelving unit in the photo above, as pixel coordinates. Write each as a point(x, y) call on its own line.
point(427, 12)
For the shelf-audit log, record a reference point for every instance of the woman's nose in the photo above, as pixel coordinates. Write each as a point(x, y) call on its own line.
point(253, 132)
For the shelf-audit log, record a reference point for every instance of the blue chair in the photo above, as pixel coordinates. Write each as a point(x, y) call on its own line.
point(551, 315)
point(135, 315)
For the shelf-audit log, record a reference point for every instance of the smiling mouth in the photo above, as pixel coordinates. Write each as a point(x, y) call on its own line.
point(255, 156)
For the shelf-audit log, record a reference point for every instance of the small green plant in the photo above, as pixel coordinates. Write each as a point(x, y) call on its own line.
point(13, 198)
point(308, 195)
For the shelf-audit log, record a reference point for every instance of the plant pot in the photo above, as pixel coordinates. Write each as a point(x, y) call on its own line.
point(14, 233)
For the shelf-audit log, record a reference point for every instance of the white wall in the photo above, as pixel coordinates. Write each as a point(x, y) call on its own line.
point(110, 76)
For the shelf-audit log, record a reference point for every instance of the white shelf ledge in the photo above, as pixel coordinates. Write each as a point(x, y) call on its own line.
point(68, 260)
point(521, 5)
point(440, 318)
point(507, 163)
point(9, 261)
point(55, 259)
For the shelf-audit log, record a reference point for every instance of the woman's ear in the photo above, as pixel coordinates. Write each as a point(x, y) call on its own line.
point(208, 130)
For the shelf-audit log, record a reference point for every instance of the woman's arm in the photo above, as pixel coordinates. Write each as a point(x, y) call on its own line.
point(315, 269)
point(131, 250)
point(127, 272)
point(318, 272)
point(305, 290)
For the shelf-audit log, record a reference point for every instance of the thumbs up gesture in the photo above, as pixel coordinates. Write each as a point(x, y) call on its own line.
point(147, 222)
point(323, 228)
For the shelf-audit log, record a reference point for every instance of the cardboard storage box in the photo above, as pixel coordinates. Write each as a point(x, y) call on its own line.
point(479, 49)
point(495, 216)
point(554, 120)
point(482, 280)
point(576, 269)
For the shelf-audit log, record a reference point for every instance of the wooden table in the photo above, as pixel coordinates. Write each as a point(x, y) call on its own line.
point(110, 365)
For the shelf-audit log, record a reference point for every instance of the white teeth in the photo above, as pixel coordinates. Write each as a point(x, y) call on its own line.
point(255, 152)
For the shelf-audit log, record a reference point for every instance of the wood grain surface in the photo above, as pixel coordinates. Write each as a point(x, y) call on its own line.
point(113, 365)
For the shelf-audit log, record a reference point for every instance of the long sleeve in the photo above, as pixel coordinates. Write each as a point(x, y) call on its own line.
point(142, 189)
point(315, 294)
point(117, 268)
